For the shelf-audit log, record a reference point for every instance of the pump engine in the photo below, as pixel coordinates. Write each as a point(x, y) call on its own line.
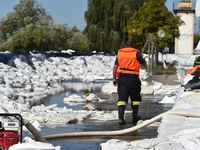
point(10, 130)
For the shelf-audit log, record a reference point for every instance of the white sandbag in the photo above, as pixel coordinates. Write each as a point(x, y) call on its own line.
point(116, 144)
point(168, 89)
point(170, 125)
point(105, 115)
point(149, 143)
point(147, 90)
point(191, 143)
point(8, 92)
point(109, 88)
point(74, 98)
point(50, 107)
point(182, 103)
point(143, 74)
point(194, 96)
point(173, 119)
point(89, 106)
point(156, 85)
point(166, 130)
point(145, 83)
point(34, 146)
point(192, 123)
point(91, 97)
point(168, 146)
point(88, 78)
point(180, 93)
point(187, 78)
point(188, 132)
point(168, 100)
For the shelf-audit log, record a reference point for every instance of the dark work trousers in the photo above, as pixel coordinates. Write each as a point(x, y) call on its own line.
point(129, 85)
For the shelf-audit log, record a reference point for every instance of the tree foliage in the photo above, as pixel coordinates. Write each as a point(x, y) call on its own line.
point(26, 39)
point(24, 28)
point(63, 38)
point(106, 20)
point(150, 18)
point(109, 24)
point(25, 13)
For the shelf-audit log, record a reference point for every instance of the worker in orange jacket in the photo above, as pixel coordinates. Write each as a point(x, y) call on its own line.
point(126, 69)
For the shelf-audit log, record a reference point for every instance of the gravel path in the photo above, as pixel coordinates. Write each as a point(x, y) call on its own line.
point(164, 79)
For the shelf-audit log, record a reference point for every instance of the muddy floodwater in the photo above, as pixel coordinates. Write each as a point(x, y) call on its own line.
point(148, 109)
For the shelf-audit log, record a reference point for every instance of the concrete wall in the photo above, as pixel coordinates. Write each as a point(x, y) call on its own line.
point(184, 44)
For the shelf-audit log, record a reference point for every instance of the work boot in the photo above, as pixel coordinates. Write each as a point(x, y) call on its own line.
point(135, 117)
point(121, 111)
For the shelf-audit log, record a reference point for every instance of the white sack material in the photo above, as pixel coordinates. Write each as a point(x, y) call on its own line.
point(105, 115)
point(191, 143)
point(167, 90)
point(150, 143)
point(156, 85)
point(74, 98)
point(91, 97)
point(187, 78)
point(8, 92)
point(147, 90)
point(169, 100)
point(144, 83)
point(116, 144)
point(46, 115)
point(109, 88)
point(193, 96)
point(34, 146)
point(156, 89)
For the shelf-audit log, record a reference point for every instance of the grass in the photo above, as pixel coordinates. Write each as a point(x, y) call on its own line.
point(159, 69)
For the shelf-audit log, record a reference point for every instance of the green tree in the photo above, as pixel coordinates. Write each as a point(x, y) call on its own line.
point(24, 28)
point(25, 13)
point(149, 19)
point(79, 42)
point(26, 39)
point(58, 37)
point(106, 20)
point(63, 38)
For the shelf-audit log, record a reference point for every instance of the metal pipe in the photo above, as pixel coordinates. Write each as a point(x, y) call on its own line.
point(34, 131)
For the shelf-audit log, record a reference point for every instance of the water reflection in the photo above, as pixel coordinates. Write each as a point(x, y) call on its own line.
point(69, 88)
point(148, 109)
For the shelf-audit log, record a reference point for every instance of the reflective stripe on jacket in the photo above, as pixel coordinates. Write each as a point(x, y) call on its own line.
point(127, 61)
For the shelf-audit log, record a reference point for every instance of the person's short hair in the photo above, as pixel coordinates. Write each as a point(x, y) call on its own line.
point(129, 43)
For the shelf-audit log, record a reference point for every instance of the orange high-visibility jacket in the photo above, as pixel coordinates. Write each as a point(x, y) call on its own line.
point(197, 67)
point(127, 61)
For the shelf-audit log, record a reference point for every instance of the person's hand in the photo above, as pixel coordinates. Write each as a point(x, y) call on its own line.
point(115, 82)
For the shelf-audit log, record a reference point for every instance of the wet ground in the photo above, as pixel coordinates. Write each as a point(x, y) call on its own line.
point(148, 109)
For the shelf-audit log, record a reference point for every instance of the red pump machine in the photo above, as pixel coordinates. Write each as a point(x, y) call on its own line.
point(10, 130)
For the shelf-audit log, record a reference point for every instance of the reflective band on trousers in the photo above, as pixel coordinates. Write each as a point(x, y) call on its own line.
point(121, 103)
point(136, 103)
